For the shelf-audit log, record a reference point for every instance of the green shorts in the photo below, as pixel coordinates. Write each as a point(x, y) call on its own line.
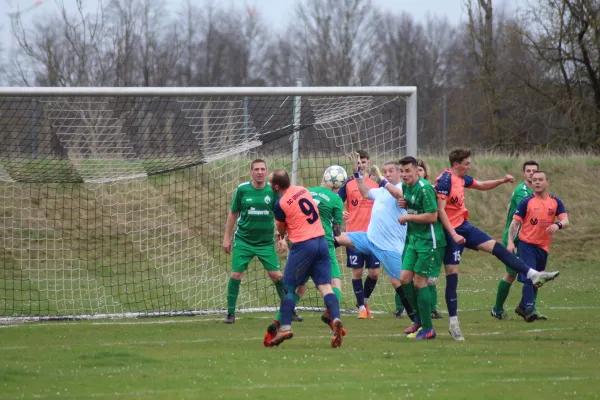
point(243, 253)
point(423, 263)
point(509, 270)
point(335, 267)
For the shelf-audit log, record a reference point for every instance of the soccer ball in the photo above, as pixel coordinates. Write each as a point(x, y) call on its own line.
point(335, 177)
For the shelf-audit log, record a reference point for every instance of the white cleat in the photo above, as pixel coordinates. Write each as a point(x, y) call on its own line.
point(454, 330)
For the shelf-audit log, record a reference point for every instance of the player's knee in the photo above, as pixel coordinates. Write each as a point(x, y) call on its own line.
point(373, 273)
point(508, 278)
point(300, 290)
point(357, 273)
point(237, 275)
point(420, 281)
point(451, 269)
point(275, 276)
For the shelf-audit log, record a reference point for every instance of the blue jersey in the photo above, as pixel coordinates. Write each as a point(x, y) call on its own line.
point(384, 229)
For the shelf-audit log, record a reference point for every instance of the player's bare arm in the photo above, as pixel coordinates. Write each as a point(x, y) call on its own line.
point(446, 222)
point(378, 177)
point(488, 185)
point(561, 224)
point(337, 229)
point(356, 169)
point(231, 218)
point(513, 231)
point(426, 218)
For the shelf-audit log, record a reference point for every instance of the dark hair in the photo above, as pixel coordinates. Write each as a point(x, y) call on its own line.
point(530, 162)
point(363, 154)
point(281, 179)
point(539, 171)
point(408, 160)
point(421, 163)
point(458, 155)
point(257, 161)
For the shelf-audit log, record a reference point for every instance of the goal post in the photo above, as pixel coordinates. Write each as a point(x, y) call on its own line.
point(113, 201)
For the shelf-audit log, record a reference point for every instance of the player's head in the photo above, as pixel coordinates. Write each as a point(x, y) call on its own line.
point(258, 170)
point(365, 162)
point(529, 167)
point(460, 161)
point(409, 170)
point(540, 182)
point(391, 172)
point(422, 168)
point(280, 180)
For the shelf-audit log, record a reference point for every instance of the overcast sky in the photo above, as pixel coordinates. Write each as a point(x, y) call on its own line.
point(276, 12)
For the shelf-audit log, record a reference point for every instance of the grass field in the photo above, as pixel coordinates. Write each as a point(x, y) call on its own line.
point(199, 357)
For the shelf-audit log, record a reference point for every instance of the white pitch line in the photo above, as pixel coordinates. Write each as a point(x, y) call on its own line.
point(293, 385)
point(257, 339)
point(200, 319)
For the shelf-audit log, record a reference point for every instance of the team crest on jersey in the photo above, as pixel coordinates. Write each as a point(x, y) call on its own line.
point(413, 198)
point(533, 221)
point(550, 212)
point(453, 200)
point(354, 203)
point(267, 199)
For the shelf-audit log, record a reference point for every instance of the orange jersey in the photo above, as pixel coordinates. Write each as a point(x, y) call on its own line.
point(358, 207)
point(452, 189)
point(297, 210)
point(535, 215)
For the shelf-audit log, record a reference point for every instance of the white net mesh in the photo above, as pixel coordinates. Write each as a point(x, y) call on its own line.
point(118, 205)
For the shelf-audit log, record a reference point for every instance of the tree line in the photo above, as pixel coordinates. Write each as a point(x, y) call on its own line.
point(510, 81)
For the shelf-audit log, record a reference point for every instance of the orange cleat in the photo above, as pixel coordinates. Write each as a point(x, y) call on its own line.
point(281, 337)
point(338, 333)
point(369, 315)
point(363, 314)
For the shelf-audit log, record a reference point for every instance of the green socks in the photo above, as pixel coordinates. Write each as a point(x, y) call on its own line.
point(399, 306)
point(338, 294)
point(501, 295)
point(279, 288)
point(233, 290)
point(434, 300)
point(424, 302)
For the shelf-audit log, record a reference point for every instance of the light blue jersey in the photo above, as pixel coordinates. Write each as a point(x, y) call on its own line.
point(384, 229)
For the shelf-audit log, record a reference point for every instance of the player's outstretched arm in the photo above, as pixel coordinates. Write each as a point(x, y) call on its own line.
point(381, 181)
point(363, 188)
point(425, 218)
point(488, 185)
point(231, 218)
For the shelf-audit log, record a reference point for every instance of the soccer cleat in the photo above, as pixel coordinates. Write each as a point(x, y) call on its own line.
point(454, 330)
point(281, 337)
point(542, 277)
point(369, 315)
point(501, 315)
point(436, 315)
point(521, 313)
point(296, 317)
point(540, 316)
point(399, 314)
point(425, 334)
point(363, 314)
point(338, 333)
point(229, 319)
point(412, 329)
point(271, 333)
point(530, 317)
point(414, 334)
point(326, 318)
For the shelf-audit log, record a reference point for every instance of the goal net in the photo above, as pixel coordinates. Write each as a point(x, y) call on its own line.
point(113, 201)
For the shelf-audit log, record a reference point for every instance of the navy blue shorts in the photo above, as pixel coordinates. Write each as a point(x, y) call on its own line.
point(308, 259)
point(358, 260)
point(473, 236)
point(535, 257)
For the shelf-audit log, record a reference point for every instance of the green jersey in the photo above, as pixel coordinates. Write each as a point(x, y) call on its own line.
point(421, 199)
point(256, 223)
point(330, 207)
point(520, 192)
